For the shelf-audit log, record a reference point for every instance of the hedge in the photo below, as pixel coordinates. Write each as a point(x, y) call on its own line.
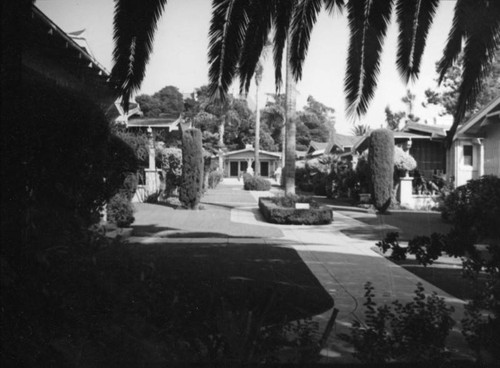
point(292, 216)
point(256, 183)
point(381, 163)
point(192, 169)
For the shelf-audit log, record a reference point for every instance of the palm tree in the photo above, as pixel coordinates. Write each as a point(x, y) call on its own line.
point(360, 130)
point(239, 29)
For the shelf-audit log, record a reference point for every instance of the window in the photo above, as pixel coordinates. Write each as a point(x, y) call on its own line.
point(468, 155)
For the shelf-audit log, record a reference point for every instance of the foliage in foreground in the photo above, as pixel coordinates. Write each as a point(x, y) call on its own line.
point(215, 178)
point(412, 332)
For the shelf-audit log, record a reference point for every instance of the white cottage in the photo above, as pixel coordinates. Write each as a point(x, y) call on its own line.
point(476, 147)
point(236, 163)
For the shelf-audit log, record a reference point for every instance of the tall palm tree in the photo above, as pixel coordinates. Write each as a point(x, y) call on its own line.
point(239, 29)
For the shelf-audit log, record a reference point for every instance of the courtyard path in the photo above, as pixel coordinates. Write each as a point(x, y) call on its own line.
point(342, 264)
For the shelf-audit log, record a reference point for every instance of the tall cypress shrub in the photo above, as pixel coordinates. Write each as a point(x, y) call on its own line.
point(381, 163)
point(192, 169)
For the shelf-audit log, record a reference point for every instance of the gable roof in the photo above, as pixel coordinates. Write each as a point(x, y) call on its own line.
point(342, 141)
point(488, 114)
point(251, 149)
point(167, 122)
point(435, 131)
point(362, 144)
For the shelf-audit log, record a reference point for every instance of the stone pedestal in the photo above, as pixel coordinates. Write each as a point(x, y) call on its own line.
point(406, 192)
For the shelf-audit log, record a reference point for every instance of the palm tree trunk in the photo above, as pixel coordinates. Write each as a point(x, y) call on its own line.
point(289, 172)
point(257, 131)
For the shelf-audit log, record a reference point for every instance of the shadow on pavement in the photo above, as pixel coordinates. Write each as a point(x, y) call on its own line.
point(271, 281)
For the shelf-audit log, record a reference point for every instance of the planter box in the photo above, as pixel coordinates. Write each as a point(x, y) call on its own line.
point(293, 216)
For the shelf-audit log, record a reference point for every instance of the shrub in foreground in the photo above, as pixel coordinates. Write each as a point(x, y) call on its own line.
point(412, 332)
point(120, 210)
point(381, 162)
point(256, 183)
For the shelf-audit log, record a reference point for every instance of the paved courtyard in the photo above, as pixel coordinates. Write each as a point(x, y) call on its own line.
point(338, 258)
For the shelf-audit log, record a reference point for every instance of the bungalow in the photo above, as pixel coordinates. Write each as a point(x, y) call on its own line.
point(236, 163)
point(65, 59)
point(475, 150)
point(316, 149)
point(425, 143)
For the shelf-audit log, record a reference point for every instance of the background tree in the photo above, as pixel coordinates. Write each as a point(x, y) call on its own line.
point(166, 102)
point(360, 130)
point(393, 119)
point(447, 95)
point(409, 100)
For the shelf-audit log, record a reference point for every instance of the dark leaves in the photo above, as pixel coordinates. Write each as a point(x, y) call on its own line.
point(368, 22)
point(414, 18)
point(134, 27)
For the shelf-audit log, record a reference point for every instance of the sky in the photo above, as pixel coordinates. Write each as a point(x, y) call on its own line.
point(180, 56)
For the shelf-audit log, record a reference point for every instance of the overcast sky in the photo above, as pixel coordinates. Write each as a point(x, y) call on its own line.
point(180, 54)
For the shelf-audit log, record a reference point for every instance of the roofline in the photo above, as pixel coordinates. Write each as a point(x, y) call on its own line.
point(55, 27)
point(252, 149)
point(478, 116)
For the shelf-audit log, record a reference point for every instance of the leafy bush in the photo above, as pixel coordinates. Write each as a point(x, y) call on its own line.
point(192, 169)
point(215, 178)
point(474, 211)
point(171, 164)
point(391, 242)
point(246, 176)
point(288, 215)
point(381, 162)
point(120, 210)
point(257, 183)
point(412, 332)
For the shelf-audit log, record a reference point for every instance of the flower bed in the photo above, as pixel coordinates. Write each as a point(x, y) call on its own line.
point(274, 211)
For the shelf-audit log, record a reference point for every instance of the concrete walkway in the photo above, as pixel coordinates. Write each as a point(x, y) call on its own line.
point(342, 264)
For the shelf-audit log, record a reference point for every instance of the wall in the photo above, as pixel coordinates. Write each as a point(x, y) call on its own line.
point(492, 150)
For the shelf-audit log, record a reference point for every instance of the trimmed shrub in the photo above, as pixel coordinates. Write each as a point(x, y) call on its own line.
point(381, 162)
point(120, 211)
point(289, 200)
point(291, 216)
point(256, 183)
point(215, 178)
point(192, 169)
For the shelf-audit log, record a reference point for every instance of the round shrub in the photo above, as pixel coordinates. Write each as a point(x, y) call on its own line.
point(215, 178)
point(403, 161)
point(381, 163)
point(120, 211)
point(171, 164)
point(257, 183)
point(192, 169)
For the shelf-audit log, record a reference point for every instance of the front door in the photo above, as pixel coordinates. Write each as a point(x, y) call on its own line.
point(233, 168)
point(243, 167)
point(264, 168)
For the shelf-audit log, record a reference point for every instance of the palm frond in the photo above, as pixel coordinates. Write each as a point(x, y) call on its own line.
point(260, 21)
point(330, 5)
point(454, 42)
point(227, 32)
point(303, 20)
point(282, 16)
point(414, 18)
point(135, 24)
point(368, 21)
point(482, 30)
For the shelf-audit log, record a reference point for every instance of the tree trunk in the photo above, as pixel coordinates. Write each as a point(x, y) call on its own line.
point(289, 172)
point(257, 132)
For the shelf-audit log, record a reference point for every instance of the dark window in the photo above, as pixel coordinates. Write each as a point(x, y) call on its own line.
point(468, 155)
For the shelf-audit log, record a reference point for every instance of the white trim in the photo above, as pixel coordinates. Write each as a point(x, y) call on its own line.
point(478, 117)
